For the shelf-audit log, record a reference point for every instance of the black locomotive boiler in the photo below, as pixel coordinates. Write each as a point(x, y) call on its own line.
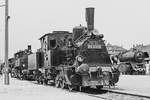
point(131, 61)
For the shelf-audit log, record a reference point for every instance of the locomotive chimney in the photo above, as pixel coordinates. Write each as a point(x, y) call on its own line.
point(90, 18)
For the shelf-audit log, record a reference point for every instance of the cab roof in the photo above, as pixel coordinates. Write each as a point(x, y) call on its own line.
point(55, 32)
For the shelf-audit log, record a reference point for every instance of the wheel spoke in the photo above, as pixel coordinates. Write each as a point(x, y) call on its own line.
point(62, 84)
point(57, 82)
point(70, 87)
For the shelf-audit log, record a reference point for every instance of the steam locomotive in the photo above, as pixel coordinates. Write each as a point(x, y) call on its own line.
point(20, 63)
point(132, 61)
point(73, 60)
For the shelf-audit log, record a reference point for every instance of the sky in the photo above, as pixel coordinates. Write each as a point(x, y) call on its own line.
point(123, 22)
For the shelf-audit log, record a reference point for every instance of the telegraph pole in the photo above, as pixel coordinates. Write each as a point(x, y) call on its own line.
point(6, 73)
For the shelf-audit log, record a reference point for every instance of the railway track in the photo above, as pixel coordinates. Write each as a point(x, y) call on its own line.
point(112, 94)
point(127, 93)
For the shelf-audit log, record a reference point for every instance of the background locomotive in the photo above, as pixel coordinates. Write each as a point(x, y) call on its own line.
point(132, 61)
point(20, 63)
point(74, 60)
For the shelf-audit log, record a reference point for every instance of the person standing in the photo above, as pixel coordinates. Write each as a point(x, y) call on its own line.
point(147, 65)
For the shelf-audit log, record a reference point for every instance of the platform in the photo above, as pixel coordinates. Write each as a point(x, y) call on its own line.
point(21, 89)
point(27, 90)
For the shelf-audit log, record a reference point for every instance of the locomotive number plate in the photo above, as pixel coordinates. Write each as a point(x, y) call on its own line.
point(93, 69)
point(94, 46)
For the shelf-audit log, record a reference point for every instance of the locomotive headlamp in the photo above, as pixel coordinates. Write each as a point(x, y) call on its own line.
point(80, 58)
point(23, 65)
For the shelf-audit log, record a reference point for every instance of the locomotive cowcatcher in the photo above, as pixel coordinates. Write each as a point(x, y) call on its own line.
point(76, 60)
